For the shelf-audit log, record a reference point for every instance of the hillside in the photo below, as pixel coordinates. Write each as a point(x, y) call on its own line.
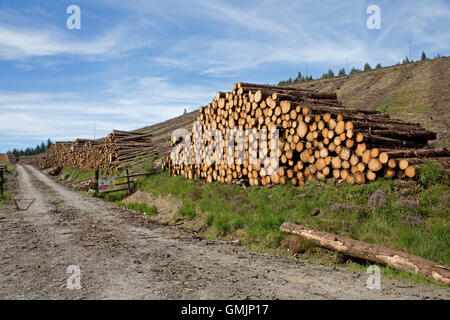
point(162, 131)
point(416, 92)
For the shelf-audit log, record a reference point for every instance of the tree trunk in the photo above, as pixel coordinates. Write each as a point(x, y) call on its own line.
point(373, 253)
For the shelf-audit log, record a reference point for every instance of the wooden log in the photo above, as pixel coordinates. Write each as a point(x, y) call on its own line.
point(382, 125)
point(372, 253)
point(418, 153)
point(379, 141)
point(404, 163)
point(409, 135)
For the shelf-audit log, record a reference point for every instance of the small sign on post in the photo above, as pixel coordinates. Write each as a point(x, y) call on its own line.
point(111, 184)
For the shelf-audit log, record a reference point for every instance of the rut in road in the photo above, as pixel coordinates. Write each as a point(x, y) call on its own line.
point(126, 256)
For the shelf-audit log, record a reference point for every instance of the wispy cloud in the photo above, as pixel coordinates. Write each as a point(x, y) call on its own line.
point(135, 103)
point(139, 62)
point(19, 43)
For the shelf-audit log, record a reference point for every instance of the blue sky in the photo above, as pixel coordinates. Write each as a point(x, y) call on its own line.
point(136, 63)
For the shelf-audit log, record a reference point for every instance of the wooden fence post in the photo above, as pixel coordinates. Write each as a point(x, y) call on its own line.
point(128, 182)
point(1, 181)
point(96, 180)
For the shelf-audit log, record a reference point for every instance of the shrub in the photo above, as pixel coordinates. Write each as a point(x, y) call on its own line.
point(377, 199)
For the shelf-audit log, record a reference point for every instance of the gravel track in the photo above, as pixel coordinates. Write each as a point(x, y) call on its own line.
point(123, 255)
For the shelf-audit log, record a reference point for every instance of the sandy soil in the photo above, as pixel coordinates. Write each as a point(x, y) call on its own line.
point(123, 255)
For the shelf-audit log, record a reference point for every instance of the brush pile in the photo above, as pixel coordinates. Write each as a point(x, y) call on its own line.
point(318, 139)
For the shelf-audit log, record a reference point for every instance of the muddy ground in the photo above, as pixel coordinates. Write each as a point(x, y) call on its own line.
point(123, 255)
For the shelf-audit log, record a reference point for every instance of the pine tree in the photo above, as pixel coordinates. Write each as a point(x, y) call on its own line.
point(378, 66)
point(423, 56)
point(367, 67)
point(299, 78)
point(330, 73)
point(355, 70)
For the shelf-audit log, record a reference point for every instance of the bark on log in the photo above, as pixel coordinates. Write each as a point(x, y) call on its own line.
point(417, 153)
point(373, 253)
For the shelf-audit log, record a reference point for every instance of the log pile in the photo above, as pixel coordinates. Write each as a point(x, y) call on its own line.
point(111, 152)
point(7, 158)
point(319, 138)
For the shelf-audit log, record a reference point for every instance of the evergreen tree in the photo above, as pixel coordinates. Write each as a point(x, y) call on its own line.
point(378, 66)
point(341, 72)
point(355, 70)
point(330, 73)
point(367, 67)
point(423, 56)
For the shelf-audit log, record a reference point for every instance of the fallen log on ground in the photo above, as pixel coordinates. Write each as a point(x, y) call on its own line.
point(370, 252)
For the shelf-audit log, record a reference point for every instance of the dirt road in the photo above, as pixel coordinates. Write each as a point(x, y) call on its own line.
point(124, 255)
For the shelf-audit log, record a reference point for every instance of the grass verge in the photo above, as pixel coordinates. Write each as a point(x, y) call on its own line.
point(140, 207)
point(403, 215)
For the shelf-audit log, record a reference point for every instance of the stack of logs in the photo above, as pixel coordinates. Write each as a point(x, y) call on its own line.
point(110, 153)
point(7, 158)
point(318, 138)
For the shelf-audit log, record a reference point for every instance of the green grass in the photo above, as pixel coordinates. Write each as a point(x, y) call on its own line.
point(188, 209)
point(84, 174)
point(5, 196)
point(414, 218)
point(148, 165)
point(140, 207)
point(77, 173)
point(115, 196)
point(431, 173)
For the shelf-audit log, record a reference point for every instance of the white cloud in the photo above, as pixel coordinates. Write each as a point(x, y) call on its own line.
point(19, 44)
point(135, 103)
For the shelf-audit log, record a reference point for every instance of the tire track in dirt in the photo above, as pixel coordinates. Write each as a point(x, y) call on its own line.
point(124, 255)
